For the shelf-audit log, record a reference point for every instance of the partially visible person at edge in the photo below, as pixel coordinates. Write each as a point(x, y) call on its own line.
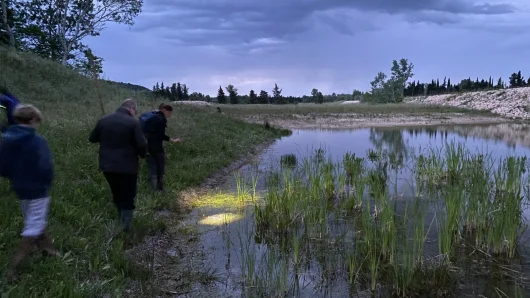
point(121, 143)
point(156, 134)
point(8, 102)
point(26, 160)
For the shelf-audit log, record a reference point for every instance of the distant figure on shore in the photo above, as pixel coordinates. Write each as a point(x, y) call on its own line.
point(26, 160)
point(155, 131)
point(121, 143)
point(8, 102)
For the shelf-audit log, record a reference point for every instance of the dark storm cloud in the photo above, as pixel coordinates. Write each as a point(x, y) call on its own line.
point(331, 45)
point(226, 23)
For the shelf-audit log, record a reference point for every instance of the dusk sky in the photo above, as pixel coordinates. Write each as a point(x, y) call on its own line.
point(331, 45)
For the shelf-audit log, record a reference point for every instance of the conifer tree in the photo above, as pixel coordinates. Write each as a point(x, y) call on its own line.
point(263, 97)
point(173, 95)
point(221, 97)
point(252, 97)
point(185, 92)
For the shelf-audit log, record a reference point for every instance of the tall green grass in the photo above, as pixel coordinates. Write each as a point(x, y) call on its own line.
point(82, 217)
point(460, 199)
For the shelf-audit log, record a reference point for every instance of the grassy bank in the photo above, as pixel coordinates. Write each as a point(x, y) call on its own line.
point(327, 108)
point(82, 216)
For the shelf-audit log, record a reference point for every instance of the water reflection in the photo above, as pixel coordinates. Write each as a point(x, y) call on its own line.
point(511, 134)
point(397, 140)
point(389, 139)
point(500, 140)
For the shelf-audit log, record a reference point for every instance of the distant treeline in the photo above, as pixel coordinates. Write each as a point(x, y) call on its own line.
point(436, 87)
point(178, 92)
point(392, 90)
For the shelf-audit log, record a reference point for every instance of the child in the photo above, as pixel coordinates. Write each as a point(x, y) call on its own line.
point(26, 160)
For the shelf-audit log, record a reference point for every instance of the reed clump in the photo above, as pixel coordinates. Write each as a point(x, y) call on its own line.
point(355, 221)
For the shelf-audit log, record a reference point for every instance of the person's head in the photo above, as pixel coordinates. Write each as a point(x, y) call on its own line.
point(160, 106)
point(130, 106)
point(26, 114)
point(166, 109)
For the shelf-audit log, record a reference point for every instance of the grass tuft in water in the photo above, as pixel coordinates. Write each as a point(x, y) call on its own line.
point(347, 220)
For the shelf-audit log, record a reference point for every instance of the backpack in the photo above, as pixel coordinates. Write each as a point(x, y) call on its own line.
point(8, 102)
point(143, 120)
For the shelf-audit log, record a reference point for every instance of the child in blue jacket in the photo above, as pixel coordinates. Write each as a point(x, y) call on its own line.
point(26, 160)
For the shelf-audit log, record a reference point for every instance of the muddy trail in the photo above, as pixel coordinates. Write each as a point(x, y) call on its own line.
point(176, 258)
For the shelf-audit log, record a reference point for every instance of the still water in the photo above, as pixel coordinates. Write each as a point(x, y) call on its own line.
point(224, 242)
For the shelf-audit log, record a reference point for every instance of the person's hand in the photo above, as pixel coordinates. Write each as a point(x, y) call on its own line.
point(175, 140)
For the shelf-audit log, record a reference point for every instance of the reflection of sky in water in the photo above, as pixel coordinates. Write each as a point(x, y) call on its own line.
point(338, 143)
point(408, 141)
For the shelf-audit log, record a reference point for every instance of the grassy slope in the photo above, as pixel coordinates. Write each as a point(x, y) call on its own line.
point(82, 215)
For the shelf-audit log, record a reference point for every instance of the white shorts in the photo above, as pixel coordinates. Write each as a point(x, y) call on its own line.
point(35, 216)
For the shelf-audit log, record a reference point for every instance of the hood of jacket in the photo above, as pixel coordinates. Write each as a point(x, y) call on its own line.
point(18, 133)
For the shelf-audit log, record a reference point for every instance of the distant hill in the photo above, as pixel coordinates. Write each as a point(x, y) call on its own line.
point(129, 86)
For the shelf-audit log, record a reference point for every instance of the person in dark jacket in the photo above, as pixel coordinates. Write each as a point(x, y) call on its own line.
point(121, 144)
point(26, 160)
point(156, 135)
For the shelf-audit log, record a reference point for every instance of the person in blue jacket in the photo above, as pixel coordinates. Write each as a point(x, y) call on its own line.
point(8, 102)
point(26, 161)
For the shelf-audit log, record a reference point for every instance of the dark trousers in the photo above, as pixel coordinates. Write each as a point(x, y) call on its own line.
point(123, 187)
point(156, 163)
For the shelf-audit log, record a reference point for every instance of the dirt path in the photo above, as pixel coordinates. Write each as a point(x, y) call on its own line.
point(176, 257)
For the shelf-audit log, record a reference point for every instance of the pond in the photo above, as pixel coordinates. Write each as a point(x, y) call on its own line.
point(411, 212)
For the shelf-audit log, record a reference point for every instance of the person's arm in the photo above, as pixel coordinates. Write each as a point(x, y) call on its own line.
point(140, 141)
point(94, 135)
point(161, 129)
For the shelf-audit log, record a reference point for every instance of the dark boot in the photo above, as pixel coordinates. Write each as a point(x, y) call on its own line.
point(126, 218)
point(24, 249)
point(160, 185)
point(45, 243)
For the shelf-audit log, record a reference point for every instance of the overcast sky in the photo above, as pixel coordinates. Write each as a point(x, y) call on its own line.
point(332, 45)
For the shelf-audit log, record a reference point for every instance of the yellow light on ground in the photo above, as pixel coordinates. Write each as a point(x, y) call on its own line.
point(220, 219)
point(220, 200)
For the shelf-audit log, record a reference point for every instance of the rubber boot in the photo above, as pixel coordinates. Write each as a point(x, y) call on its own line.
point(126, 218)
point(45, 243)
point(24, 249)
point(161, 184)
point(154, 182)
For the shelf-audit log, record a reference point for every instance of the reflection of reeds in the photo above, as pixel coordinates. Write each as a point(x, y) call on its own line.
point(288, 160)
point(304, 211)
